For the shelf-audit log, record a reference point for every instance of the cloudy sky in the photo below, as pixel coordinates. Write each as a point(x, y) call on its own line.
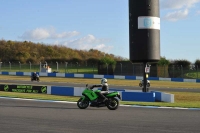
point(102, 25)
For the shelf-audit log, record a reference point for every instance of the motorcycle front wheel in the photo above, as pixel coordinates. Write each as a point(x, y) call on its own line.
point(83, 104)
point(112, 103)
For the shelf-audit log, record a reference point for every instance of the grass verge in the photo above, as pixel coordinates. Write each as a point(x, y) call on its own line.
point(160, 84)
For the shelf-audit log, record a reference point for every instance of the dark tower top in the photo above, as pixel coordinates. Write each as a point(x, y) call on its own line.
point(144, 30)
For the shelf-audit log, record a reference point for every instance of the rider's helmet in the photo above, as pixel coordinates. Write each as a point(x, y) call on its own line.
point(103, 81)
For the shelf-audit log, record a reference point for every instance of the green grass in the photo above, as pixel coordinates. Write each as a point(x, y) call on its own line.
point(38, 96)
point(122, 82)
point(182, 99)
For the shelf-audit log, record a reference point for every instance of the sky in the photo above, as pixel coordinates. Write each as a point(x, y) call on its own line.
point(100, 24)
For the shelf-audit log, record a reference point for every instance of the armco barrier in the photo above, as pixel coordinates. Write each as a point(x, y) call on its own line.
point(65, 91)
point(126, 95)
point(72, 75)
point(138, 96)
point(166, 97)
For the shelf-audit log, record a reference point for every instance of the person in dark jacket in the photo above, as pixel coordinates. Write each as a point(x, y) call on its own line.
point(34, 75)
point(104, 89)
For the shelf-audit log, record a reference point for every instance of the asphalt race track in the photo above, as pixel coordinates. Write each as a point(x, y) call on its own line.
point(22, 116)
point(25, 116)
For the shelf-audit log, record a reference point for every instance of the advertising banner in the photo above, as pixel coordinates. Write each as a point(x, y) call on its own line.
point(23, 88)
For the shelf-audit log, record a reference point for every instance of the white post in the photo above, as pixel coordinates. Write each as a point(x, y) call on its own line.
point(0, 65)
point(30, 65)
point(40, 66)
point(57, 65)
point(10, 65)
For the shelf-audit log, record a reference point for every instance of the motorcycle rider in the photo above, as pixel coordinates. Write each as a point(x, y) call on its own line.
point(104, 89)
point(34, 76)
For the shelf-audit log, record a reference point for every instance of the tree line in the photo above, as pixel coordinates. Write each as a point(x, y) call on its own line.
point(27, 51)
point(179, 63)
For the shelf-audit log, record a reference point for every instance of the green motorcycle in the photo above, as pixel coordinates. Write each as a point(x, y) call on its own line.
point(91, 97)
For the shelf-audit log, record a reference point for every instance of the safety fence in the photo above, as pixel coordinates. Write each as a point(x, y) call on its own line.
point(120, 68)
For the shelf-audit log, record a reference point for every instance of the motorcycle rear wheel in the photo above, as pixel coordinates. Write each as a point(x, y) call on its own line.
point(83, 104)
point(112, 103)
